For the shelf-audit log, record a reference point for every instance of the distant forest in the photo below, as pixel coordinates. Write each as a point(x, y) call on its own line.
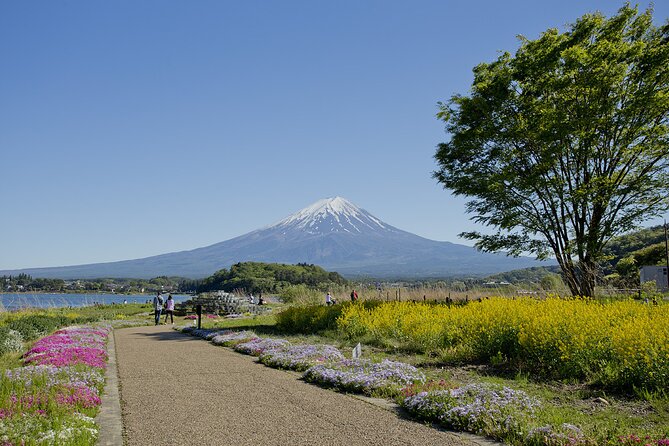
point(257, 277)
point(26, 283)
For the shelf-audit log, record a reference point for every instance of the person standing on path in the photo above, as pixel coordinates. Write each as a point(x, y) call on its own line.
point(328, 299)
point(169, 309)
point(354, 296)
point(158, 306)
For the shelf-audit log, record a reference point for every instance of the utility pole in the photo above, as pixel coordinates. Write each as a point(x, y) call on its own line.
point(666, 249)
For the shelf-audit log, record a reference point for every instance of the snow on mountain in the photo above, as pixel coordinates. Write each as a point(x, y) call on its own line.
point(331, 215)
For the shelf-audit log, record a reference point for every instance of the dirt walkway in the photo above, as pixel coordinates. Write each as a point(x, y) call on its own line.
point(179, 390)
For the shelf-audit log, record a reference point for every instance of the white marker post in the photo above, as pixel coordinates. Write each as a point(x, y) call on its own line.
point(357, 351)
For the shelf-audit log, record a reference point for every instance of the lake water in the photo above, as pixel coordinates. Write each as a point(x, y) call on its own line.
point(16, 301)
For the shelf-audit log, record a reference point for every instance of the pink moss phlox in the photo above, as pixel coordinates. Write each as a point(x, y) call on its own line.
point(93, 357)
point(79, 395)
point(633, 440)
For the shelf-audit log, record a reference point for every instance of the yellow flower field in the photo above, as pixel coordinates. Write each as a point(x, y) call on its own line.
point(622, 344)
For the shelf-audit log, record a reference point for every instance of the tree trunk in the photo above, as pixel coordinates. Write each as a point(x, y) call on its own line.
point(587, 278)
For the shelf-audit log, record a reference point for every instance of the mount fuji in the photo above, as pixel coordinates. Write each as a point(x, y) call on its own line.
point(332, 233)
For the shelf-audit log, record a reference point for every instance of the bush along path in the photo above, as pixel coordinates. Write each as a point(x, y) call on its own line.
point(176, 389)
point(54, 397)
point(488, 410)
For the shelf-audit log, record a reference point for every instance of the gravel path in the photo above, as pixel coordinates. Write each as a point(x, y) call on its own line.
point(178, 390)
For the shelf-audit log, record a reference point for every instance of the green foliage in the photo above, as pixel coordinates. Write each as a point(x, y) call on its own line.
point(525, 275)
point(564, 145)
point(301, 294)
point(35, 326)
point(551, 282)
point(623, 245)
point(627, 253)
point(308, 320)
point(256, 277)
point(313, 319)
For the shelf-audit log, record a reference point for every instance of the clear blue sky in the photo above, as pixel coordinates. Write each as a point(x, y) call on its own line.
point(135, 128)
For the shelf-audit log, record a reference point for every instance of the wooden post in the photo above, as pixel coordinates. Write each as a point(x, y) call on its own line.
point(198, 309)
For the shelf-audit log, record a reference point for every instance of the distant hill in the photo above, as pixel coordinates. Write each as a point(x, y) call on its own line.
point(256, 277)
point(629, 252)
point(332, 233)
point(525, 275)
point(625, 255)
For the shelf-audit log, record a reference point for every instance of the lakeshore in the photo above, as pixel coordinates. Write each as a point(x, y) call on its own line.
point(19, 301)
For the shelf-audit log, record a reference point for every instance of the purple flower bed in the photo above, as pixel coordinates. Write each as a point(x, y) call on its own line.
point(231, 338)
point(213, 334)
point(486, 410)
point(258, 346)
point(365, 376)
point(300, 357)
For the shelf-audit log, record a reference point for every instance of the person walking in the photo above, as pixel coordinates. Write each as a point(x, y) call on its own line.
point(169, 309)
point(354, 296)
point(328, 299)
point(158, 306)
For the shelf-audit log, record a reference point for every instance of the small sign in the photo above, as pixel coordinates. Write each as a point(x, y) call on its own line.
point(357, 351)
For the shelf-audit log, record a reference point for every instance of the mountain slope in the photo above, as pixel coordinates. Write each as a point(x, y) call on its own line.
point(332, 233)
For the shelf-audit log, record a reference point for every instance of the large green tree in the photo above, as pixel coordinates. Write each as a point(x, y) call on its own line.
point(565, 144)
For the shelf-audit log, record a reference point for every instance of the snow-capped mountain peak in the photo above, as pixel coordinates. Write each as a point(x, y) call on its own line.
point(334, 214)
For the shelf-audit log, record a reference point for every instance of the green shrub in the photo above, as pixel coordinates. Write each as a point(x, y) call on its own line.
point(315, 318)
point(301, 295)
point(36, 325)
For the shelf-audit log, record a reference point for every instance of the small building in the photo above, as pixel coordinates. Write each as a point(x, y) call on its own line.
point(657, 274)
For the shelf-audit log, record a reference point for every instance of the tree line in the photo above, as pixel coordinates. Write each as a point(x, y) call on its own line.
point(26, 283)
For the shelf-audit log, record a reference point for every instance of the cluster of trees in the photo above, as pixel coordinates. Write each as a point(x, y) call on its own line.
point(526, 275)
point(257, 277)
point(26, 283)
